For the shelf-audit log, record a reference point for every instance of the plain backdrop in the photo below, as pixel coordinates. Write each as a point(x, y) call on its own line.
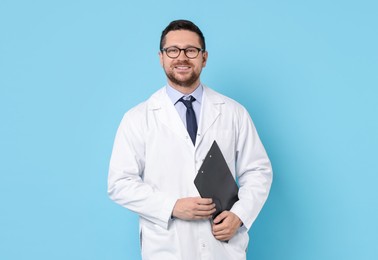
point(307, 71)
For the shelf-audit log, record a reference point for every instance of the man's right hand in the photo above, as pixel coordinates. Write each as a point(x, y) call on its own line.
point(193, 208)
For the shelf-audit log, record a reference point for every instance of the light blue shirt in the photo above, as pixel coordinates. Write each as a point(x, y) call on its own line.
point(175, 95)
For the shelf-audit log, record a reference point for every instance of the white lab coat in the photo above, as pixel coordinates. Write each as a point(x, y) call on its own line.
point(154, 163)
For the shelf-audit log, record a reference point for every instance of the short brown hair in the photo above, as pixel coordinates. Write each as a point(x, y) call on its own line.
point(182, 25)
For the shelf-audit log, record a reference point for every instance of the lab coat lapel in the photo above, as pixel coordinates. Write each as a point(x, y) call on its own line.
point(166, 113)
point(210, 111)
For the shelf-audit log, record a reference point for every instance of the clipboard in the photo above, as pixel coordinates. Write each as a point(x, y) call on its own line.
point(214, 180)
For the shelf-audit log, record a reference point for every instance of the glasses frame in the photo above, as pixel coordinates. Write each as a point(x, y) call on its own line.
point(185, 50)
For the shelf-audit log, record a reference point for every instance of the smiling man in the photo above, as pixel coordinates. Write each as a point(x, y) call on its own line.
point(160, 145)
point(185, 57)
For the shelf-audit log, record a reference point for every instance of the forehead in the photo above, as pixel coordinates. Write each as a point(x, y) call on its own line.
point(182, 38)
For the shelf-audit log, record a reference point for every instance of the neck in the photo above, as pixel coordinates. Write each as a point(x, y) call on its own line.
point(185, 89)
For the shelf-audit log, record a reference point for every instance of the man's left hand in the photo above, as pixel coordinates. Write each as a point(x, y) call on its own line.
point(225, 225)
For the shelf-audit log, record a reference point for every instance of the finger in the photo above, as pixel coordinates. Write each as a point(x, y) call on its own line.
point(204, 201)
point(209, 207)
point(219, 229)
point(223, 237)
point(219, 226)
point(221, 217)
point(199, 217)
point(204, 212)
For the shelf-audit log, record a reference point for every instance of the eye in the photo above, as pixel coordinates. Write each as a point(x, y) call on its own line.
point(191, 50)
point(172, 50)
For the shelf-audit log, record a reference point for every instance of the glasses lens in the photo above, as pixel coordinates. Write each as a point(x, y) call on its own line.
point(191, 52)
point(173, 52)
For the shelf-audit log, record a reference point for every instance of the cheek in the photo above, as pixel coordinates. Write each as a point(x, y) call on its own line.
point(200, 65)
point(167, 67)
point(164, 64)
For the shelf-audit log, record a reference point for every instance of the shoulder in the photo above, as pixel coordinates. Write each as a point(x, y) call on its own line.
point(229, 103)
point(137, 116)
point(142, 108)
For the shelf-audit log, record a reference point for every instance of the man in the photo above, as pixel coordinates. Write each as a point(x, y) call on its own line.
point(160, 145)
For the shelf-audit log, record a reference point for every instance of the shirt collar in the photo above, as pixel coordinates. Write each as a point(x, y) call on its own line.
point(175, 95)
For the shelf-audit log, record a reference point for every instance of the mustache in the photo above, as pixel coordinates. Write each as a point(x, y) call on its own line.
point(182, 63)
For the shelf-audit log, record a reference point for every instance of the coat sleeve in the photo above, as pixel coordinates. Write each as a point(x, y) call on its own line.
point(125, 180)
point(253, 170)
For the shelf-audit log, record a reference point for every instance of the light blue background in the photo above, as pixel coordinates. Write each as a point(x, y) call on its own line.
point(306, 70)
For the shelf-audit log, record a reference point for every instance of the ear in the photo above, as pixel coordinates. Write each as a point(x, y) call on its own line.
point(161, 58)
point(205, 55)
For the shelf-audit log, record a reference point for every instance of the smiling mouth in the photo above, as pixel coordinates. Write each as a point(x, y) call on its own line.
point(182, 67)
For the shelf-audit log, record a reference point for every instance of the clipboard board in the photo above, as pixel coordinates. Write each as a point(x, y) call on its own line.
point(214, 180)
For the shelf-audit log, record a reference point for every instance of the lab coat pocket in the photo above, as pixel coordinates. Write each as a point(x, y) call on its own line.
point(155, 239)
point(237, 246)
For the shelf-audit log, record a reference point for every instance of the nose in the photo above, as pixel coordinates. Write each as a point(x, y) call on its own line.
point(182, 55)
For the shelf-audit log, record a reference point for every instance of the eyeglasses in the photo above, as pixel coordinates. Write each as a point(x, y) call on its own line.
point(190, 52)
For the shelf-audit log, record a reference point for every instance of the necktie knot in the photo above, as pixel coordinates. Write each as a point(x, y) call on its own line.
point(188, 102)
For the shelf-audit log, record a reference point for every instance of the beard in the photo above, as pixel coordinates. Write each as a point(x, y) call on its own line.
point(175, 79)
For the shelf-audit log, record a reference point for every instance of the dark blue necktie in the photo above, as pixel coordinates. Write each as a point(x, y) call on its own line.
point(191, 122)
